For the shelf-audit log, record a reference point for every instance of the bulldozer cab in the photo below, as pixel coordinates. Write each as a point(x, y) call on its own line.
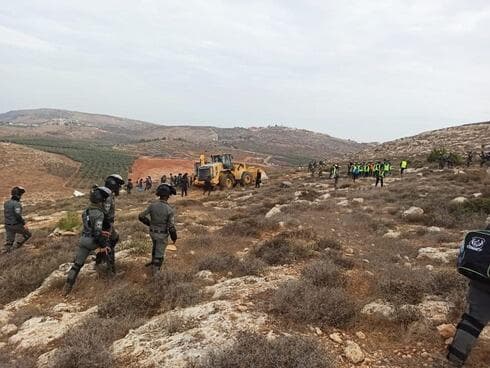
point(226, 160)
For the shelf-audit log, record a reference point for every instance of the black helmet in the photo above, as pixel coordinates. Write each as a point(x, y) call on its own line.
point(165, 190)
point(99, 194)
point(17, 191)
point(114, 183)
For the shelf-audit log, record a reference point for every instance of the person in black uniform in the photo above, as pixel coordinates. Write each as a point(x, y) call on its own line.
point(14, 221)
point(93, 236)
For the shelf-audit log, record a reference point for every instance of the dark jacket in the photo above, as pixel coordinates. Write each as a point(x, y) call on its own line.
point(161, 216)
point(12, 212)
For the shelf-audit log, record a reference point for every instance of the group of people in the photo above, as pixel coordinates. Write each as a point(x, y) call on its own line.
point(356, 170)
point(181, 181)
point(99, 235)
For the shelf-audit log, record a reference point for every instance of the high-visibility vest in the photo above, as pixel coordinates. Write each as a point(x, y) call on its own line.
point(404, 164)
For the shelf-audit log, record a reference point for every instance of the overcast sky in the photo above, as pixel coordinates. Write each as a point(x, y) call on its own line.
point(366, 70)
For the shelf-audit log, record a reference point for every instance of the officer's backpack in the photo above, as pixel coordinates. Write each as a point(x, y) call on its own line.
point(474, 260)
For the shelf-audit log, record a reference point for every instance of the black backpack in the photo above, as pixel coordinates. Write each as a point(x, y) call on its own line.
point(474, 260)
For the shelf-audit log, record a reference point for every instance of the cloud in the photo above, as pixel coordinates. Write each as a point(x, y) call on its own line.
point(357, 69)
point(13, 38)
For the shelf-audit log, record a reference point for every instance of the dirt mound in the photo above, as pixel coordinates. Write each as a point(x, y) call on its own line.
point(156, 167)
point(43, 174)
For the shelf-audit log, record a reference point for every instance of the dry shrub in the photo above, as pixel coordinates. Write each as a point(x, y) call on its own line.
point(279, 250)
point(401, 285)
point(170, 289)
point(88, 345)
point(323, 273)
point(201, 240)
point(23, 272)
point(223, 262)
point(220, 262)
point(328, 243)
point(302, 301)
point(189, 203)
point(254, 350)
point(251, 227)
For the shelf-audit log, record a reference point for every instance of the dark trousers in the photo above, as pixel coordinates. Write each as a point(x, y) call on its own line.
point(11, 232)
point(379, 179)
point(184, 192)
point(471, 324)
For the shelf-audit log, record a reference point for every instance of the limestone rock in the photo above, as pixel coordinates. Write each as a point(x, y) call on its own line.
point(413, 211)
point(8, 330)
point(434, 309)
point(276, 210)
point(205, 275)
point(459, 200)
point(361, 335)
point(171, 247)
point(392, 234)
point(446, 330)
point(42, 330)
point(438, 254)
point(286, 184)
point(336, 337)
point(358, 200)
point(379, 309)
point(343, 203)
point(434, 229)
point(353, 352)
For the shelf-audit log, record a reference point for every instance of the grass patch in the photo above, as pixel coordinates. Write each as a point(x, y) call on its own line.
point(70, 221)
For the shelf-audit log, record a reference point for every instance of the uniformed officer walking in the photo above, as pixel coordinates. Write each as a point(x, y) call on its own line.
point(93, 236)
point(160, 218)
point(14, 222)
point(114, 182)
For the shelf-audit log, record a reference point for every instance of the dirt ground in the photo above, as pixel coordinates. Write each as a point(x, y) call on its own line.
point(156, 167)
point(43, 174)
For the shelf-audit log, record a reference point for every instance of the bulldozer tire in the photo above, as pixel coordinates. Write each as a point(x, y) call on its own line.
point(247, 179)
point(226, 181)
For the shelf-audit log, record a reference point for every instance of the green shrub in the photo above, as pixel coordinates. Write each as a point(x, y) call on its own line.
point(70, 221)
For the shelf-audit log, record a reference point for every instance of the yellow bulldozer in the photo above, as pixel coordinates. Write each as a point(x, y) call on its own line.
point(224, 173)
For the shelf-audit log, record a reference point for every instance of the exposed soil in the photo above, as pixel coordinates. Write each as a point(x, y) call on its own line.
point(43, 174)
point(156, 167)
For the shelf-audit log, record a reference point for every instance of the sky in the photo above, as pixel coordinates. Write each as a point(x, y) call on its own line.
point(364, 70)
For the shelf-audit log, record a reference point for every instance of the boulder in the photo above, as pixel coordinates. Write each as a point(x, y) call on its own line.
point(435, 310)
point(438, 254)
point(286, 184)
point(76, 193)
point(353, 352)
point(477, 195)
point(358, 200)
point(205, 275)
point(379, 309)
point(413, 211)
point(276, 210)
point(343, 203)
point(434, 229)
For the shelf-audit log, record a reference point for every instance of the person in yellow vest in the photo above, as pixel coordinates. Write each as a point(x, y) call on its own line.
point(403, 166)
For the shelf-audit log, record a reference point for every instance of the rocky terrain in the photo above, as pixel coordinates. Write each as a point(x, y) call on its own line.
point(285, 145)
point(459, 139)
point(293, 274)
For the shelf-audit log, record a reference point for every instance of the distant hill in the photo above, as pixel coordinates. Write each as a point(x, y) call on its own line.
point(460, 139)
point(285, 145)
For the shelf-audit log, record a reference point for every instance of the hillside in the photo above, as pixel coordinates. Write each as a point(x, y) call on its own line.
point(286, 145)
point(290, 275)
point(459, 139)
point(45, 175)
